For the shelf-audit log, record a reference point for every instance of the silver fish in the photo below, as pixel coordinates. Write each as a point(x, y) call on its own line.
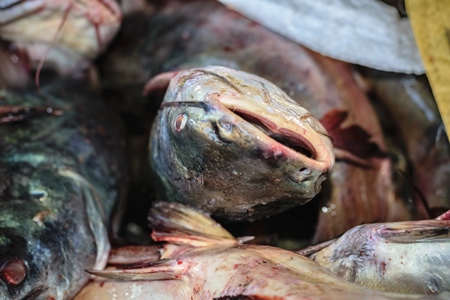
point(201, 260)
point(234, 144)
point(402, 257)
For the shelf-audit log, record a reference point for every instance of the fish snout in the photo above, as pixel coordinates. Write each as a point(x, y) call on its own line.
point(308, 179)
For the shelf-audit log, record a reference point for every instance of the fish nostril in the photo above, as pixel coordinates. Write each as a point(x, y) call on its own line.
point(305, 171)
point(227, 126)
point(13, 272)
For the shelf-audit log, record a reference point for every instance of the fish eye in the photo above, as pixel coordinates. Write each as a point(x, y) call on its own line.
point(13, 272)
point(180, 122)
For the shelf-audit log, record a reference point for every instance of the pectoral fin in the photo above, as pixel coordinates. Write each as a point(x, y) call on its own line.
point(166, 269)
point(179, 224)
point(416, 231)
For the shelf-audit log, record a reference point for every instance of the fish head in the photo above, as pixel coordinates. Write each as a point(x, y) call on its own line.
point(38, 249)
point(237, 145)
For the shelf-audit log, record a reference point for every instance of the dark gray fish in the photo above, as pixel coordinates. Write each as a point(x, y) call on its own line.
point(234, 144)
point(200, 33)
point(61, 175)
point(409, 103)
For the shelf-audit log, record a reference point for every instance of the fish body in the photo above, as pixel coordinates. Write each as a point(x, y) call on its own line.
point(402, 257)
point(202, 33)
point(62, 174)
point(410, 105)
point(64, 33)
point(200, 260)
point(215, 123)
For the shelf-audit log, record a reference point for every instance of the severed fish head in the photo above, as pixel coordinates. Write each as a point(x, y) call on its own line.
point(234, 144)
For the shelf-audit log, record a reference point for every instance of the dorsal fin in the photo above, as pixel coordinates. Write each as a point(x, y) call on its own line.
point(416, 231)
point(182, 225)
point(352, 143)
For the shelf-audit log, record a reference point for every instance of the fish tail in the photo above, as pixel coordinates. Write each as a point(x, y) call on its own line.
point(182, 225)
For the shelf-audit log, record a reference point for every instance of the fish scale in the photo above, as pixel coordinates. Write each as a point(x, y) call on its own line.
point(65, 175)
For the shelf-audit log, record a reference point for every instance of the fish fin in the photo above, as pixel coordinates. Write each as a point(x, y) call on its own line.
point(14, 114)
point(158, 82)
point(353, 141)
point(445, 216)
point(416, 231)
point(315, 248)
point(166, 269)
point(245, 239)
point(133, 254)
point(179, 224)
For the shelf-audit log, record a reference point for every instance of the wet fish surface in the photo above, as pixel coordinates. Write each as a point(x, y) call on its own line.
point(202, 33)
point(201, 260)
point(66, 34)
point(409, 103)
point(233, 144)
point(62, 174)
point(402, 257)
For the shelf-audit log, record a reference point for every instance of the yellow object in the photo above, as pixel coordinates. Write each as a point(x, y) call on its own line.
point(430, 20)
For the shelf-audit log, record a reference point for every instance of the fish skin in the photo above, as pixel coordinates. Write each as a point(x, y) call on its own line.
point(220, 267)
point(87, 28)
point(196, 34)
point(201, 149)
point(408, 257)
point(62, 174)
point(409, 103)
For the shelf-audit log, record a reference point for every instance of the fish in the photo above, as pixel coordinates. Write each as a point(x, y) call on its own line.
point(197, 34)
point(66, 34)
point(409, 103)
point(409, 257)
point(214, 123)
point(62, 177)
point(201, 260)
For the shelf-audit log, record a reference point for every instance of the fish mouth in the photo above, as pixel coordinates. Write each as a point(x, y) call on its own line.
point(293, 141)
point(305, 139)
point(300, 136)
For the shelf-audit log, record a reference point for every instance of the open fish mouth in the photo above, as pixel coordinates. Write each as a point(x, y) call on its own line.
point(279, 126)
point(293, 141)
point(286, 133)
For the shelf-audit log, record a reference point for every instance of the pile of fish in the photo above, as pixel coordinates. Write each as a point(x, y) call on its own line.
point(196, 105)
point(201, 260)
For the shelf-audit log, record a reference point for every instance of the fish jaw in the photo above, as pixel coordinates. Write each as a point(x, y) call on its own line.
point(214, 132)
point(403, 257)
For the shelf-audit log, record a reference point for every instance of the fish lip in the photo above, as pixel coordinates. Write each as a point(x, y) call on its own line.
point(320, 160)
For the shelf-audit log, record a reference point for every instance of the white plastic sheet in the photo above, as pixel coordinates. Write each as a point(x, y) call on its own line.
point(365, 32)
